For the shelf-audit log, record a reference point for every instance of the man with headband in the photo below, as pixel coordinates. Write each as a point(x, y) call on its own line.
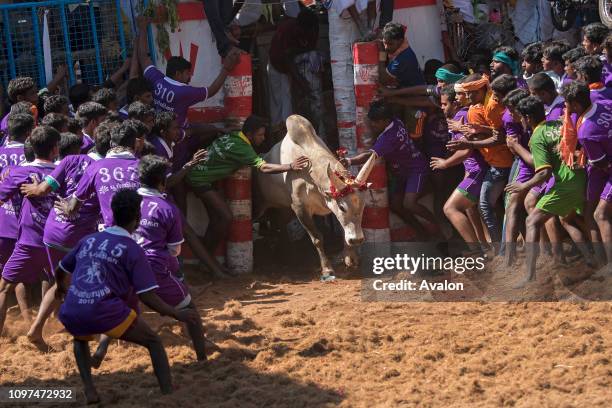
point(506, 61)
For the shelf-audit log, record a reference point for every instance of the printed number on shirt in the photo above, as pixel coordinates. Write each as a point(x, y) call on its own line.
point(605, 119)
point(117, 174)
point(152, 207)
point(116, 252)
point(163, 93)
point(11, 160)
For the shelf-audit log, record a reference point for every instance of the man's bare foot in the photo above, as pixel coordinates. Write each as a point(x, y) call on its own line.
point(38, 342)
point(91, 396)
point(529, 278)
point(96, 360)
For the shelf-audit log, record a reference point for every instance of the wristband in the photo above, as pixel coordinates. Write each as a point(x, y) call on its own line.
point(382, 56)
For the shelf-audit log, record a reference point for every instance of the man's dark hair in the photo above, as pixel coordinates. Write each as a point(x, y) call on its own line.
point(479, 63)
point(542, 82)
point(308, 20)
point(163, 121)
point(56, 120)
point(55, 104)
point(555, 50)
point(449, 90)
point(114, 117)
point(126, 207)
point(514, 97)
point(69, 144)
point(138, 110)
point(595, 33)
point(176, 65)
point(393, 31)
point(532, 107)
point(126, 133)
point(253, 123)
point(432, 65)
point(105, 97)
point(574, 55)
point(503, 84)
point(89, 111)
point(102, 136)
point(577, 91)
point(74, 126)
point(379, 110)
point(153, 170)
point(20, 126)
point(28, 151)
point(452, 67)
point(509, 51)
point(136, 87)
point(19, 87)
point(532, 53)
point(44, 139)
point(607, 45)
point(21, 107)
point(590, 67)
point(79, 94)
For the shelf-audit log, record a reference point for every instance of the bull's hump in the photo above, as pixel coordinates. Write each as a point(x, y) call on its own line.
point(301, 132)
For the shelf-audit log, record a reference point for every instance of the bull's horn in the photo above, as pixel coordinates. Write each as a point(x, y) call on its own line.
point(365, 171)
point(335, 180)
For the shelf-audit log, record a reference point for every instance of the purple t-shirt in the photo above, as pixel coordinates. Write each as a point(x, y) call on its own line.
point(11, 154)
point(4, 128)
point(65, 231)
point(160, 227)
point(521, 83)
point(107, 268)
point(87, 144)
point(35, 210)
point(601, 95)
point(105, 177)
point(162, 149)
point(173, 96)
point(435, 135)
point(556, 109)
point(595, 132)
point(475, 162)
point(399, 151)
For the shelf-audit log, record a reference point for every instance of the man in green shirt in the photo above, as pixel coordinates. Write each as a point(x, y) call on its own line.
point(226, 155)
point(564, 199)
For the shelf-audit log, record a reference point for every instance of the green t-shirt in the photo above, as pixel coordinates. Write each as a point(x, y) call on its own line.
point(226, 155)
point(544, 146)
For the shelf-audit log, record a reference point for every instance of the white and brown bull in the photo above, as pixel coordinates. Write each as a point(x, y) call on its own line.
point(324, 187)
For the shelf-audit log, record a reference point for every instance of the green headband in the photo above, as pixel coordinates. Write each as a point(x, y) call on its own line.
point(505, 59)
point(445, 75)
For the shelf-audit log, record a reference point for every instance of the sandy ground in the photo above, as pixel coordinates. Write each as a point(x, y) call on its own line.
point(291, 342)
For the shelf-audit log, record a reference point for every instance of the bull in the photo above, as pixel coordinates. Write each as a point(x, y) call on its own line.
point(324, 187)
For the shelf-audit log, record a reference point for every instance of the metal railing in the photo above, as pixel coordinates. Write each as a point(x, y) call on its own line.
point(93, 32)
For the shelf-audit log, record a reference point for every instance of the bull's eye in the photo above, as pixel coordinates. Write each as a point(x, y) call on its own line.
point(342, 207)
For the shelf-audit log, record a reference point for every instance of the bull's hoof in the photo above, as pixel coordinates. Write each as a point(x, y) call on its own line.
point(326, 277)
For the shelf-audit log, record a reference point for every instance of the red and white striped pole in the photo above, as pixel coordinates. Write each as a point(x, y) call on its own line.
point(238, 106)
point(375, 221)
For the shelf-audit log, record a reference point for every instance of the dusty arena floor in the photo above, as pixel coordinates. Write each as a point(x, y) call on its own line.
point(288, 342)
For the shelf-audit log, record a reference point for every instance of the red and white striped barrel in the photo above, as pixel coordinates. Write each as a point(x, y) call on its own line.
point(240, 238)
point(424, 27)
point(238, 106)
point(238, 87)
point(375, 221)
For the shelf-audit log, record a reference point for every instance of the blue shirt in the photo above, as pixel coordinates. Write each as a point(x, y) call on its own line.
point(405, 68)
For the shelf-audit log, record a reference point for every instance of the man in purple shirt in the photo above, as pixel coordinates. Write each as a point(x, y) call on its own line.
point(28, 263)
point(606, 72)
point(588, 70)
point(144, 113)
point(91, 114)
point(22, 89)
point(119, 169)
point(543, 87)
point(20, 126)
point(407, 166)
point(594, 128)
point(96, 280)
point(160, 235)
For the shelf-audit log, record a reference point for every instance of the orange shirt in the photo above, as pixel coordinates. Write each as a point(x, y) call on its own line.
point(491, 115)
